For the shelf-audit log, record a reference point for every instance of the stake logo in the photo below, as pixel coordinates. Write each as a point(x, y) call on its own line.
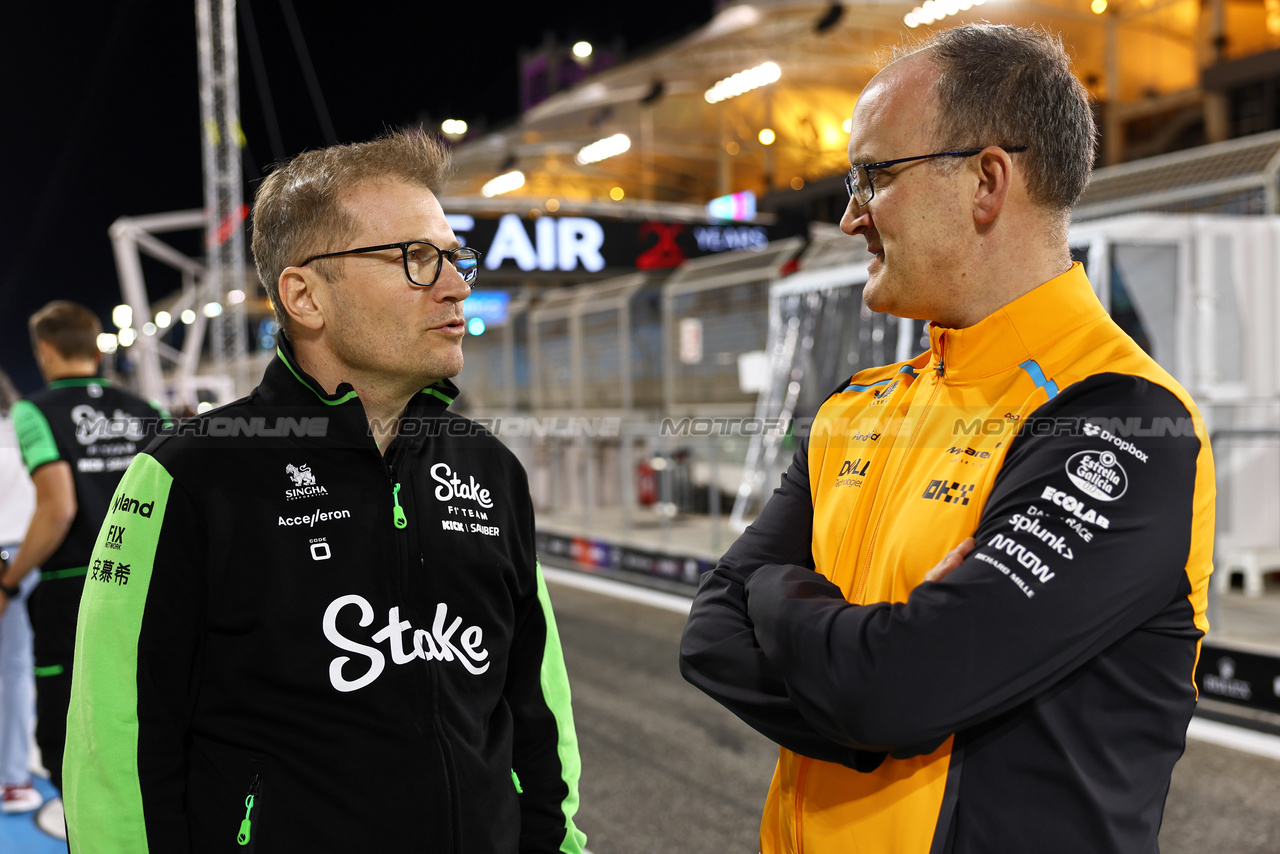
point(439, 644)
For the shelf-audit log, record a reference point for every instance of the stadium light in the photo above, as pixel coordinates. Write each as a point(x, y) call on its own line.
point(582, 50)
point(188, 317)
point(107, 343)
point(603, 148)
point(127, 336)
point(212, 309)
point(744, 81)
point(453, 127)
point(163, 319)
point(122, 316)
point(504, 183)
point(936, 10)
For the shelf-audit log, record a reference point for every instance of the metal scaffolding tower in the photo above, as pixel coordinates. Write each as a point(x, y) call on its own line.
point(223, 185)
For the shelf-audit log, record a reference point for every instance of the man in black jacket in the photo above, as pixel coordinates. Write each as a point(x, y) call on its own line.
point(77, 437)
point(333, 633)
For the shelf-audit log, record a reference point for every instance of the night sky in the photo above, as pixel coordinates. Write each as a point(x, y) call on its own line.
point(102, 112)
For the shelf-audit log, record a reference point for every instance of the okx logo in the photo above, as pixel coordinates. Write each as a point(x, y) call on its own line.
point(948, 491)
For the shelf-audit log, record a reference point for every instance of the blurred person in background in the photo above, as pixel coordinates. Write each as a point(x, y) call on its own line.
point(17, 688)
point(1028, 690)
point(77, 436)
point(335, 635)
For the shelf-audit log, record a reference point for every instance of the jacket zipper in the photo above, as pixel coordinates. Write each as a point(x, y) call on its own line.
point(246, 826)
point(864, 574)
point(397, 512)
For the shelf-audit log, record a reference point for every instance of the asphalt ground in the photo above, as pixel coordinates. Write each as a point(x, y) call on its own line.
point(665, 769)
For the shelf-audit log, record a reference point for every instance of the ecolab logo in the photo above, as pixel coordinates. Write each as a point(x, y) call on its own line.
point(125, 504)
point(435, 645)
point(451, 486)
point(1075, 507)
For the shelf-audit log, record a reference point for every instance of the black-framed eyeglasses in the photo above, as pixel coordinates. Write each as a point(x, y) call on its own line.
point(422, 260)
point(858, 179)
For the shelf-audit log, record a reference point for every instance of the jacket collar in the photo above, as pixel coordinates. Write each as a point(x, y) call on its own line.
point(286, 384)
point(1019, 331)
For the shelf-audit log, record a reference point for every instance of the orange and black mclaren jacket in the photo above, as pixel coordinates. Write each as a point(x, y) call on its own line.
point(1036, 699)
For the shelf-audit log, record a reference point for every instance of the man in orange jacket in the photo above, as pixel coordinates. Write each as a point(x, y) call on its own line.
point(1032, 691)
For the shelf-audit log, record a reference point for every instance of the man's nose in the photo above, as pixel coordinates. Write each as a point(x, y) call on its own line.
point(450, 284)
point(856, 218)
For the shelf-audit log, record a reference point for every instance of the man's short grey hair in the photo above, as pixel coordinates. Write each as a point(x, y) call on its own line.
point(1008, 86)
point(298, 210)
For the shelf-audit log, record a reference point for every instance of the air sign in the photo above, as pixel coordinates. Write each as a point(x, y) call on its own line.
point(575, 244)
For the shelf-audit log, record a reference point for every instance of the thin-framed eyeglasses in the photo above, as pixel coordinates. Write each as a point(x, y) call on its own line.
point(422, 260)
point(858, 179)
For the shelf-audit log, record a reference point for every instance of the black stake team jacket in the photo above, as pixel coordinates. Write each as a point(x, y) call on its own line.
point(316, 648)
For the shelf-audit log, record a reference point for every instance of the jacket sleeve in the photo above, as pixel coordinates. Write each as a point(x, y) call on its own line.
point(1082, 541)
point(719, 653)
point(139, 629)
point(545, 764)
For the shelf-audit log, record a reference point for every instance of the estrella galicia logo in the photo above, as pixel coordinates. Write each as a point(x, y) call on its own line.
point(1098, 474)
point(948, 491)
point(304, 482)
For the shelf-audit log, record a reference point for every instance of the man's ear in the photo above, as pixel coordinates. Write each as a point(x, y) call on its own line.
point(995, 177)
point(301, 298)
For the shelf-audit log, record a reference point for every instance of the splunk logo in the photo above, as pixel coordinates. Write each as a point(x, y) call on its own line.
point(435, 645)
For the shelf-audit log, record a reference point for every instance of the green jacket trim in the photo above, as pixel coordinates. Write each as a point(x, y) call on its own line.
point(70, 572)
point(101, 787)
point(555, 692)
point(35, 436)
point(79, 382)
point(318, 392)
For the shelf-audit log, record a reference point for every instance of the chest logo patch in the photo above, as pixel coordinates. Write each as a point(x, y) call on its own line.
point(1098, 474)
point(304, 482)
point(948, 491)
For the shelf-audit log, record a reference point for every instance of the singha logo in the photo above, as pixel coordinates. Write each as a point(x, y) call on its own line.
point(301, 475)
point(304, 483)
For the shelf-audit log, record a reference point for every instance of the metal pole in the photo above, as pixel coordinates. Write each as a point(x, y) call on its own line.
point(713, 495)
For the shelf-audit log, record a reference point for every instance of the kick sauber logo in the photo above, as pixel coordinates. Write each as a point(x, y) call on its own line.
point(304, 483)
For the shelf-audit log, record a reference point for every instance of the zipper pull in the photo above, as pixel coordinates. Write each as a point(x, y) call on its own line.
point(246, 826)
point(940, 369)
point(398, 512)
